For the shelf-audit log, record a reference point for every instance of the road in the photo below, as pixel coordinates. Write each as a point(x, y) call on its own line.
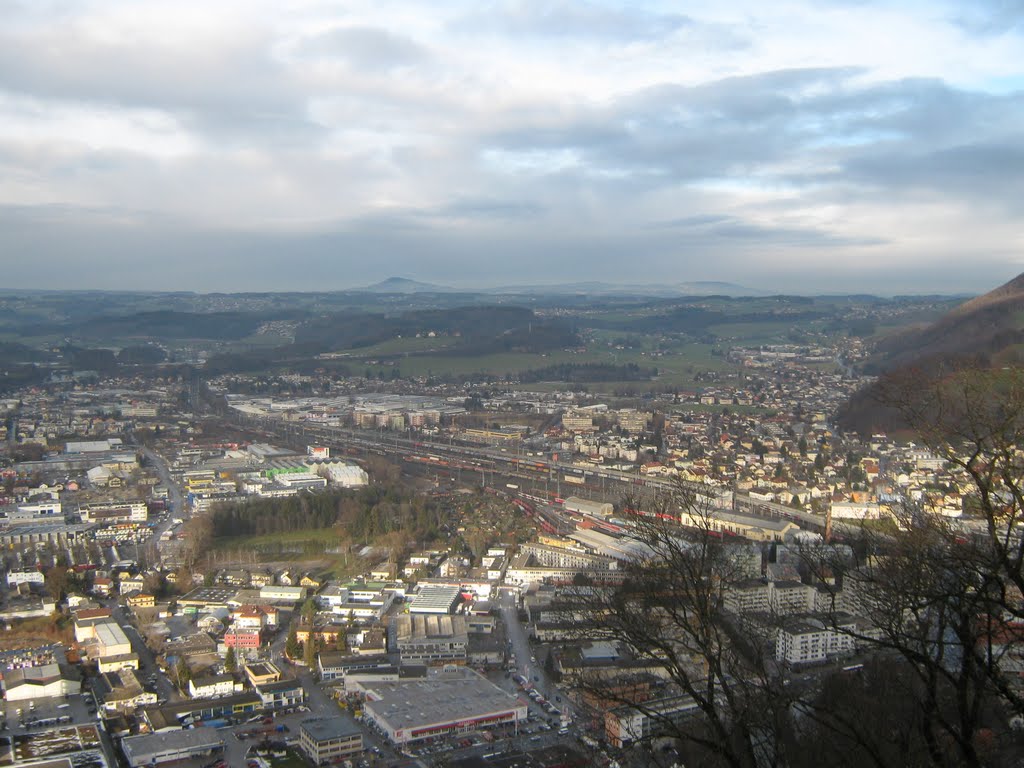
point(147, 662)
point(177, 502)
point(533, 670)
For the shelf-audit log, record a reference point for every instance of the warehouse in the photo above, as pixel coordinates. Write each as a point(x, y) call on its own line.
point(436, 598)
point(430, 639)
point(44, 681)
point(159, 748)
point(452, 701)
point(588, 507)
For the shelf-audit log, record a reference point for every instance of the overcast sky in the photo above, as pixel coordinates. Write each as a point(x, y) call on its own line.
point(792, 145)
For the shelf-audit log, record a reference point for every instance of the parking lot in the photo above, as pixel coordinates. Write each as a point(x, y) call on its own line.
point(22, 717)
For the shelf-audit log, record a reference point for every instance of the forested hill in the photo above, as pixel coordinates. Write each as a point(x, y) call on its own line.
point(985, 332)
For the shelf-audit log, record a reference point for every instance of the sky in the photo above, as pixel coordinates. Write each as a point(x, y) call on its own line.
point(797, 146)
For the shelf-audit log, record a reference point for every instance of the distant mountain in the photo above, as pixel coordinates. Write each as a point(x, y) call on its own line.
point(592, 288)
point(404, 285)
point(983, 332)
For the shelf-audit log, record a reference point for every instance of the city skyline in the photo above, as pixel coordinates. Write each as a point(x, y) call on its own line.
point(805, 148)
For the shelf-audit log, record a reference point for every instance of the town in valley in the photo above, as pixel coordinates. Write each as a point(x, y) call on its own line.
point(380, 553)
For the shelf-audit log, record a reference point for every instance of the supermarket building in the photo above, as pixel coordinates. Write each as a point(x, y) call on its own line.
point(450, 701)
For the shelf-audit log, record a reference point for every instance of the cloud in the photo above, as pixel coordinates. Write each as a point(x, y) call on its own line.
point(706, 227)
point(574, 19)
point(526, 138)
point(222, 80)
point(990, 17)
point(366, 48)
point(990, 175)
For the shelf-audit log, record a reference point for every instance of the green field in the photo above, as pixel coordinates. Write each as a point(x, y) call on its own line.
point(402, 345)
point(292, 760)
point(294, 546)
point(676, 366)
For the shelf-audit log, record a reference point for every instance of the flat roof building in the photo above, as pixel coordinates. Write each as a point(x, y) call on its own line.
point(430, 639)
point(435, 598)
point(589, 507)
point(111, 639)
point(159, 748)
point(452, 701)
point(330, 739)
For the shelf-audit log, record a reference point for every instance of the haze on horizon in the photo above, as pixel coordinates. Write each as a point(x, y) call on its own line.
point(803, 146)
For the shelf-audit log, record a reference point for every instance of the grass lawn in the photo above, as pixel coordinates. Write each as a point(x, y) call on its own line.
point(292, 760)
point(295, 546)
point(754, 333)
point(291, 537)
point(676, 367)
point(401, 346)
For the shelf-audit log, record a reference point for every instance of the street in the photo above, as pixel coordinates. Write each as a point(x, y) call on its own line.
point(524, 652)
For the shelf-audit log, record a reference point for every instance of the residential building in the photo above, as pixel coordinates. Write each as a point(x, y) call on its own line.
point(330, 739)
point(281, 693)
point(810, 640)
point(242, 640)
point(213, 686)
point(122, 692)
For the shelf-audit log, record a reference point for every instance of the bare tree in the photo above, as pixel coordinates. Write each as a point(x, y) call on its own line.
point(731, 706)
point(198, 534)
point(929, 596)
point(943, 594)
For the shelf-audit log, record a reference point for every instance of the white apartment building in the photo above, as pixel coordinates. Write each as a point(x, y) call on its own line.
point(809, 640)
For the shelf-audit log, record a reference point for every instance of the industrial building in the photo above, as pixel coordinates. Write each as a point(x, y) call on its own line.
point(114, 512)
point(452, 701)
point(169, 716)
point(747, 526)
point(430, 639)
point(46, 680)
point(588, 507)
point(279, 594)
point(159, 748)
point(436, 598)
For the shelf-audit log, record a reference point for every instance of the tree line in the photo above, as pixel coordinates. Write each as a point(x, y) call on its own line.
point(364, 514)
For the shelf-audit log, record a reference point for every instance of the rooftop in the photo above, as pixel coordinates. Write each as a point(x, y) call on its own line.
point(139, 748)
point(435, 598)
point(447, 697)
point(325, 728)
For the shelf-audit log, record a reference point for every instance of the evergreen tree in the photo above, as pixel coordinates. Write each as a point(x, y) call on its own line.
point(309, 650)
point(230, 662)
point(292, 645)
point(182, 673)
point(308, 611)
